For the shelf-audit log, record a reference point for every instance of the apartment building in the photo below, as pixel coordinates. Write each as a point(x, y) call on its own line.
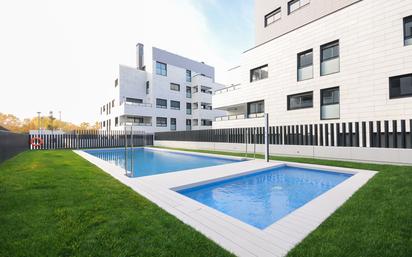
point(163, 92)
point(323, 61)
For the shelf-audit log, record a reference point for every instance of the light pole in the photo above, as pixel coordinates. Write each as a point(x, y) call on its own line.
point(38, 121)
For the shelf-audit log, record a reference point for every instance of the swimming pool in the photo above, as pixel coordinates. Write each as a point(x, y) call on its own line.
point(148, 162)
point(262, 198)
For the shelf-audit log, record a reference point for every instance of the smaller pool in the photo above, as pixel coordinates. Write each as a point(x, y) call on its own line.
point(262, 198)
point(148, 162)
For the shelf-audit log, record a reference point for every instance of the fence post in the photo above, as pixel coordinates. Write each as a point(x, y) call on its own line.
point(267, 137)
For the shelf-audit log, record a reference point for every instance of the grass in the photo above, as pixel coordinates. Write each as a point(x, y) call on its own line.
point(375, 222)
point(54, 203)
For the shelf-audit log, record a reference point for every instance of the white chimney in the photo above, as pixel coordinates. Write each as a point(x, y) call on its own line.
point(140, 56)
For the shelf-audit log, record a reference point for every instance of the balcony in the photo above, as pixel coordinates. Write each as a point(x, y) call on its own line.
point(227, 89)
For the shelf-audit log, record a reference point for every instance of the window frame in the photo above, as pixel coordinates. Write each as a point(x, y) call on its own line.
point(300, 5)
point(407, 19)
point(272, 13)
point(162, 123)
point(299, 94)
point(133, 100)
point(302, 67)
point(258, 68)
point(175, 84)
point(390, 86)
point(188, 75)
point(327, 46)
point(157, 69)
point(255, 102)
point(328, 89)
point(161, 106)
point(172, 107)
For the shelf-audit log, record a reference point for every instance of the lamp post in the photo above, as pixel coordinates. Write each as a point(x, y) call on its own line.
point(38, 121)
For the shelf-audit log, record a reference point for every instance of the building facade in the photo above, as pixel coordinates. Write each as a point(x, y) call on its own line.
point(323, 61)
point(163, 92)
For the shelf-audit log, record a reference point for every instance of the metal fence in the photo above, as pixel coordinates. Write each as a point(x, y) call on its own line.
point(388, 134)
point(81, 139)
point(12, 144)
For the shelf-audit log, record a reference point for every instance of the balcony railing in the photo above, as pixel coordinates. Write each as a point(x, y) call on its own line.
point(228, 89)
point(140, 124)
point(240, 117)
point(138, 104)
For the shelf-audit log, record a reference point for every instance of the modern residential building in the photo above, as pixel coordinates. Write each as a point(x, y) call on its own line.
point(163, 92)
point(323, 61)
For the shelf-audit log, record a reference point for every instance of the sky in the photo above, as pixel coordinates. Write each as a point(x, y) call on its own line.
point(60, 55)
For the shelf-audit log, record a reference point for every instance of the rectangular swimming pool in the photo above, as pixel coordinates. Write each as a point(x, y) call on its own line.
point(262, 198)
point(148, 162)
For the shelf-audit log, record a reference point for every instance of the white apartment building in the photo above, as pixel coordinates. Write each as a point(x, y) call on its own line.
point(163, 92)
point(323, 61)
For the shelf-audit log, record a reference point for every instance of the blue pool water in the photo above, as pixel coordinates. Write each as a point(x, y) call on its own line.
point(262, 198)
point(151, 162)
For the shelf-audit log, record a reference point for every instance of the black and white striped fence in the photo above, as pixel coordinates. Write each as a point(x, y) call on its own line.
point(81, 139)
point(388, 134)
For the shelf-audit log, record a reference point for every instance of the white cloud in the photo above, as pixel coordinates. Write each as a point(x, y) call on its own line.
point(62, 55)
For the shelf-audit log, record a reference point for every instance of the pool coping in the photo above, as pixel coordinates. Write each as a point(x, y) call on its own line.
point(232, 234)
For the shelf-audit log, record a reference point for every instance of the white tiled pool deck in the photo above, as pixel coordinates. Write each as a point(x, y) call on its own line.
point(234, 235)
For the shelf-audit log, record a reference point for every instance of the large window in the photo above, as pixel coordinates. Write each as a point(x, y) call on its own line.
point(255, 109)
point(205, 122)
point(188, 124)
point(134, 100)
point(189, 108)
point(175, 105)
point(300, 101)
point(188, 76)
point(172, 123)
point(296, 4)
point(407, 28)
point(400, 86)
point(174, 87)
point(329, 101)
point(161, 122)
point(161, 68)
point(305, 65)
point(259, 73)
point(272, 17)
point(329, 57)
point(161, 103)
point(188, 92)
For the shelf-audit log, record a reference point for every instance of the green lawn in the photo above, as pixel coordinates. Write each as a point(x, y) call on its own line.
point(54, 203)
point(375, 222)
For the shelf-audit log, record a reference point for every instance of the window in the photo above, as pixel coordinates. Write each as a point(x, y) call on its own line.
point(188, 76)
point(161, 103)
point(188, 92)
point(175, 105)
point(407, 28)
point(188, 124)
point(329, 57)
point(305, 65)
point(296, 4)
point(136, 120)
point(188, 108)
point(172, 123)
point(255, 108)
point(161, 68)
point(134, 100)
point(329, 101)
point(113, 103)
point(259, 73)
point(206, 122)
point(300, 101)
point(272, 17)
point(147, 87)
point(161, 122)
point(116, 82)
point(116, 121)
point(195, 122)
point(400, 86)
point(174, 87)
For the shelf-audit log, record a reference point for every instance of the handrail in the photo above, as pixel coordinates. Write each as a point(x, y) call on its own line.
point(240, 117)
point(228, 89)
point(137, 104)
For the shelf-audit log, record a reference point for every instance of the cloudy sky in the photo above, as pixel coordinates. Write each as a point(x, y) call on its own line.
point(62, 55)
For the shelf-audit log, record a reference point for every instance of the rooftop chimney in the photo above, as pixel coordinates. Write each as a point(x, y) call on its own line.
point(140, 56)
